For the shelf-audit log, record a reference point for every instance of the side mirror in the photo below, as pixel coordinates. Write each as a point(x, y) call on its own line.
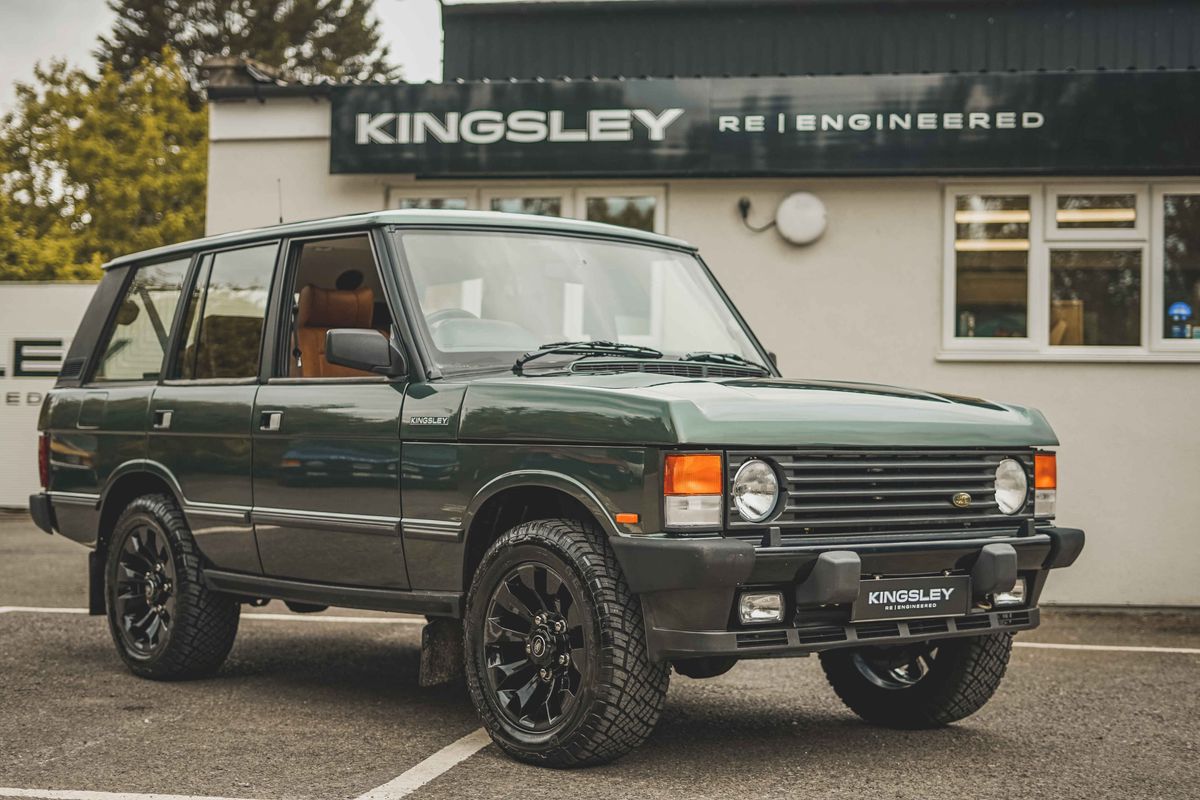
point(367, 350)
point(774, 359)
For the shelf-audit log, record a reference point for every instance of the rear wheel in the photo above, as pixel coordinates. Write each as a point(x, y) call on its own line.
point(923, 685)
point(556, 657)
point(166, 624)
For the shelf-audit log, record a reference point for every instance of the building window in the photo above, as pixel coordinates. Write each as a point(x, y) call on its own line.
point(452, 201)
point(541, 206)
point(1079, 272)
point(637, 207)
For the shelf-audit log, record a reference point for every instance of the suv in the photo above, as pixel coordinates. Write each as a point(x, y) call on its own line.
point(560, 442)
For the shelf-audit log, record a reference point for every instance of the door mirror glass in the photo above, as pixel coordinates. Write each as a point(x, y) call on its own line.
point(366, 350)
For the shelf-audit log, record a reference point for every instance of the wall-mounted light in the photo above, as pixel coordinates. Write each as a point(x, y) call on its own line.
point(800, 218)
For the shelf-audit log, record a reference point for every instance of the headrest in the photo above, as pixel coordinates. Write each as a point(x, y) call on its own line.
point(335, 308)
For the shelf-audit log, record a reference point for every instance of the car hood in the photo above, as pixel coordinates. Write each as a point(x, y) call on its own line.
point(637, 408)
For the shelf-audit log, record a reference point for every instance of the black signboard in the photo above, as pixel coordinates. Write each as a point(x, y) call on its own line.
point(1056, 123)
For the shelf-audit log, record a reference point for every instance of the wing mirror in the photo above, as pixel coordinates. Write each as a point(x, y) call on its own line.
point(366, 350)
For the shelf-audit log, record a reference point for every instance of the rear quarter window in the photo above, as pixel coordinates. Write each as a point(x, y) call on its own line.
point(141, 329)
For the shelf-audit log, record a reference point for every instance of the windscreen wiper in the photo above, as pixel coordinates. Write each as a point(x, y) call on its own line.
point(732, 359)
point(586, 349)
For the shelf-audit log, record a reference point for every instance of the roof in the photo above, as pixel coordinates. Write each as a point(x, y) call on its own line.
point(489, 220)
point(747, 38)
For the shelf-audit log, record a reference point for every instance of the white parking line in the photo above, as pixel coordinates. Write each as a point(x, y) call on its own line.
point(251, 615)
point(1109, 648)
point(438, 763)
point(68, 794)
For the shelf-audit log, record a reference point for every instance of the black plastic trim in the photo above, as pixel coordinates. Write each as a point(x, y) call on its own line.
point(437, 604)
point(42, 512)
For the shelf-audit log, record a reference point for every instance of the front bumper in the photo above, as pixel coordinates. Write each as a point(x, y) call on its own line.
point(689, 587)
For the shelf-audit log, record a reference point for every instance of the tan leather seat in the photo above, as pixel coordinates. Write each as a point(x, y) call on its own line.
point(320, 310)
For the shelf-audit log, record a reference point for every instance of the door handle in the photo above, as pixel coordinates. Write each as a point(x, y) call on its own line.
point(270, 421)
point(162, 419)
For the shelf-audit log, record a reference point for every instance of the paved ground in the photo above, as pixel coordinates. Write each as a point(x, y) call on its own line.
point(321, 710)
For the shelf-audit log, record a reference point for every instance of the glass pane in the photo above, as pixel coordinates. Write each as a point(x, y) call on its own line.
point(630, 212)
point(1181, 266)
point(991, 254)
point(225, 341)
point(1096, 211)
point(139, 338)
point(1095, 297)
point(451, 203)
point(545, 206)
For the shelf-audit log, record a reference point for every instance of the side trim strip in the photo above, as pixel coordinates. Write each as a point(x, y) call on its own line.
point(441, 604)
point(436, 530)
point(327, 521)
point(75, 498)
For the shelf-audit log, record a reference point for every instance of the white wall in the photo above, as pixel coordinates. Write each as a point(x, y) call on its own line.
point(864, 303)
point(48, 311)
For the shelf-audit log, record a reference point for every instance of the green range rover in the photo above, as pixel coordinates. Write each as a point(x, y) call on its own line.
point(560, 442)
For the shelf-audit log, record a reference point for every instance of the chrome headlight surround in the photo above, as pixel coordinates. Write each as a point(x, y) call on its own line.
point(1012, 486)
point(754, 493)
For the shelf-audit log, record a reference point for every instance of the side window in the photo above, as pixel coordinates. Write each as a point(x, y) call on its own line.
point(138, 340)
point(222, 332)
point(335, 284)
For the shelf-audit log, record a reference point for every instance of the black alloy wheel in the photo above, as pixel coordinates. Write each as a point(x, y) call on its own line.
point(896, 668)
point(166, 623)
point(534, 647)
point(144, 595)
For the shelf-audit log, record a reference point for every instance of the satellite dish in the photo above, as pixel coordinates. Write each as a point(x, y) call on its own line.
point(800, 218)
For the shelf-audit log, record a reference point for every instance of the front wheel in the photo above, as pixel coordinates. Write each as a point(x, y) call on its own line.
point(925, 685)
point(556, 656)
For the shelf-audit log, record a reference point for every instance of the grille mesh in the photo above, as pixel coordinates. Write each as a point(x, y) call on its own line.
point(844, 492)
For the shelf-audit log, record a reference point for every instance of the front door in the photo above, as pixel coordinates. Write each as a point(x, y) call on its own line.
point(326, 438)
point(200, 416)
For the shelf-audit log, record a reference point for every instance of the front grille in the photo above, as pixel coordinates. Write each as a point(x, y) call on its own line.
point(834, 492)
point(682, 369)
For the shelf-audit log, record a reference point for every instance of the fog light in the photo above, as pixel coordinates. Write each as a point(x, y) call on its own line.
point(1013, 597)
point(756, 608)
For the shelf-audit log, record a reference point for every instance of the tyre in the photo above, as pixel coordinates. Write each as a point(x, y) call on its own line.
point(925, 685)
point(166, 624)
point(555, 649)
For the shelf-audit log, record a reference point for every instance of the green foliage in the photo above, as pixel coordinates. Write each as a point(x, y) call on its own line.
point(91, 168)
point(305, 39)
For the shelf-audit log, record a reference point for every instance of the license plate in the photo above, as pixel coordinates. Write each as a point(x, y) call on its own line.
point(911, 598)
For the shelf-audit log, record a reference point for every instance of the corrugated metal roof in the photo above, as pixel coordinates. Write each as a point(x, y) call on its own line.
point(667, 38)
point(413, 217)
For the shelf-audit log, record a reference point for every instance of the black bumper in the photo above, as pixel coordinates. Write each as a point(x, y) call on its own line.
point(689, 588)
point(41, 511)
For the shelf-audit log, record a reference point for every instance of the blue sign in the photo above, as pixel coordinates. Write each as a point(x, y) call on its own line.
point(1179, 311)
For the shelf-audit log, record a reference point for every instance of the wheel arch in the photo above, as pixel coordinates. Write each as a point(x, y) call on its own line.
point(131, 480)
point(517, 497)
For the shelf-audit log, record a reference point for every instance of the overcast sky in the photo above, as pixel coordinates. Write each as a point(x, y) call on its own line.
point(38, 30)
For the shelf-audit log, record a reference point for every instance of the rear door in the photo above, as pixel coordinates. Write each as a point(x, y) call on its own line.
point(326, 439)
point(200, 416)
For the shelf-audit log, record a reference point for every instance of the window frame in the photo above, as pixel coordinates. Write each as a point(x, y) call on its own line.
point(110, 323)
point(657, 191)
point(1139, 232)
point(1178, 347)
point(279, 314)
point(1042, 201)
point(194, 271)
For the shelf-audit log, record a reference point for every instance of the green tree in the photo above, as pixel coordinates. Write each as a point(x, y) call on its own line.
point(92, 168)
point(305, 39)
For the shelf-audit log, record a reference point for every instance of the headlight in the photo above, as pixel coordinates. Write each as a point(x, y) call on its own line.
point(755, 490)
point(1012, 487)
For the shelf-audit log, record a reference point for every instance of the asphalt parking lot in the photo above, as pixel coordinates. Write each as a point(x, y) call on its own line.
point(326, 707)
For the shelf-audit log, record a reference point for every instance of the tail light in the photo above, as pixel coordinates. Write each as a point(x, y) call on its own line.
point(692, 488)
point(1045, 484)
point(44, 460)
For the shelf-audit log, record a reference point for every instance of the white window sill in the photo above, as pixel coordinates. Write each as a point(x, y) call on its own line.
point(1101, 356)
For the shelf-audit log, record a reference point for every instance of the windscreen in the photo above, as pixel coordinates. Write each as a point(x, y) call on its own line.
point(488, 297)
